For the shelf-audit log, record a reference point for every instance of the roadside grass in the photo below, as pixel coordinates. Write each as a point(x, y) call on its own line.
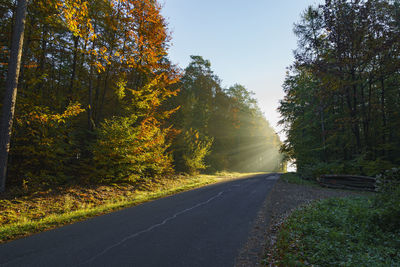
point(39, 211)
point(294, 178)
point(338, 232)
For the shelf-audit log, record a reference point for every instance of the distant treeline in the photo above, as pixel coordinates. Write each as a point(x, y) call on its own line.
point(226, 122)
point(341, 109)
point(99, 101)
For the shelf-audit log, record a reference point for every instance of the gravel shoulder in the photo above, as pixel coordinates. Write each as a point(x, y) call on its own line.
point(282, 199)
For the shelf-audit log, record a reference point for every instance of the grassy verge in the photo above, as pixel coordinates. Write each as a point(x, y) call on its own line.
point(294, 178)
point(24, 215)
point(338, 232)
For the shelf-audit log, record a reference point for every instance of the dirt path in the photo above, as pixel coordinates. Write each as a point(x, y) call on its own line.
point(283, 198)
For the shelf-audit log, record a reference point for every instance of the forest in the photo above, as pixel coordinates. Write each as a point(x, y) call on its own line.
point(98, 100)
point(341, 116)
point(342, 92)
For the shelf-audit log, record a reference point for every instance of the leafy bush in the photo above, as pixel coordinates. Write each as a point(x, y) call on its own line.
point(388, 180)
point(196, 149)
point(336, 232)
point(374, 167)
point(43, 147)
point(126, 151)
point(294, 178)
point(387, 203)
point(313, 171)
point(358, 166)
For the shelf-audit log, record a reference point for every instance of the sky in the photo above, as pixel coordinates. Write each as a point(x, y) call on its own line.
point(247, 42)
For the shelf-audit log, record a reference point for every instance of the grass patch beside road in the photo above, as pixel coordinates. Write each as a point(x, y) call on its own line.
point(294, 178)
point(24, 215)
point(338, 232)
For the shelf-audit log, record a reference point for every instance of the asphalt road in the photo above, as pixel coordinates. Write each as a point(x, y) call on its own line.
point(202, 227)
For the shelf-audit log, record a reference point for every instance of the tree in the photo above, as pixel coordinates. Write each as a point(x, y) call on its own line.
point(337, 109)
point(11, 89)
point(108, 58)
point(222, 129)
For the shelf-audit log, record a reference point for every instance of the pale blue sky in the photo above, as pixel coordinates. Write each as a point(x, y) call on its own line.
point(248, 42)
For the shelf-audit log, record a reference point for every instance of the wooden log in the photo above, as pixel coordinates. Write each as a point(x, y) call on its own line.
point(348, 187)
point(349, 177)
point(345, 181)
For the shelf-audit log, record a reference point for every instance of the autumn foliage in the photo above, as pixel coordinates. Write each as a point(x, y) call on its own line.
point(98, 99)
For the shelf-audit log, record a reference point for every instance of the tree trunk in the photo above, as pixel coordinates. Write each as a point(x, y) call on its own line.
point(11, 89)
point(103, 96)
point(321, 110)
point(384, 123)
point(73, 74)
point(90, 106)
point(42, 64)
point(91, 122)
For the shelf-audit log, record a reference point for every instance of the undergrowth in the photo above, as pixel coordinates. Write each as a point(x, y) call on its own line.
point(339, 232)
point(294, 178)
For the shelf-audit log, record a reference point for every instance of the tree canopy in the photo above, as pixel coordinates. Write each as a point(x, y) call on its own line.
point(100, 101)
point(340, 111)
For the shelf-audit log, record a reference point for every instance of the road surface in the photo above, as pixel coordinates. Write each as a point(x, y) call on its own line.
point(202, 227)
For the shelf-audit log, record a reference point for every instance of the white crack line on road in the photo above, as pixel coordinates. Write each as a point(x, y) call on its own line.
point(150, 228)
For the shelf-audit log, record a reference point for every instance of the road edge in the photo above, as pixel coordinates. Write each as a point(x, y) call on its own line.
point(252, 252)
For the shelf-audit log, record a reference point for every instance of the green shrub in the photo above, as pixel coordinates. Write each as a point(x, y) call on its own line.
point(315, 170)
point(387, 203)
point(336, 232)
point(126, 151)
point(44, 148)
point(357, 166)
point(374, 167)
point(294, 178)
point(196, 149)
